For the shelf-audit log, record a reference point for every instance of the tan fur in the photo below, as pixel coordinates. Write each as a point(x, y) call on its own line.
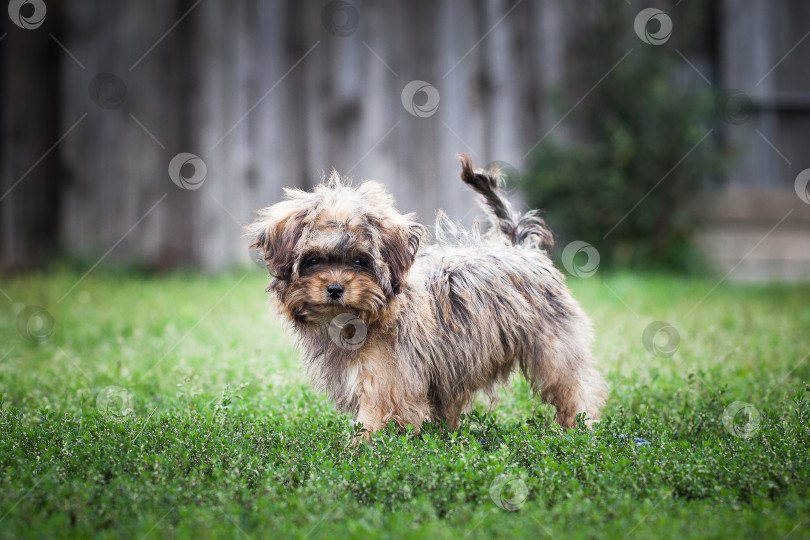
point(437, 327)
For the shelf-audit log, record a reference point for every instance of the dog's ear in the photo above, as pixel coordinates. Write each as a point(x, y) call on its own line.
point(276, 232)
point(400, 242)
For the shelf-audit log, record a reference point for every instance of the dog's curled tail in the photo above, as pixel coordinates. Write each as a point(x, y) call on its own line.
point(527, 229)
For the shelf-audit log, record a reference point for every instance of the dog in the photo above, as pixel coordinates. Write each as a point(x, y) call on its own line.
point(394, 332)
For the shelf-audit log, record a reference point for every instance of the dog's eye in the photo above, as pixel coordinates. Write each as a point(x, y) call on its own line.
point(310, 261)
point(361, 261)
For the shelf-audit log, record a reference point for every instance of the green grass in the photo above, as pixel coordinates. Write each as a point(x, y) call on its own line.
point(215, 432)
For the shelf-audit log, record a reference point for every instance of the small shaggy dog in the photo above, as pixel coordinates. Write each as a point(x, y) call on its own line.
point(392, 332)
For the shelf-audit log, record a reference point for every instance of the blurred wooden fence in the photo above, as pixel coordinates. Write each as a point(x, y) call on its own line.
point(98, 100)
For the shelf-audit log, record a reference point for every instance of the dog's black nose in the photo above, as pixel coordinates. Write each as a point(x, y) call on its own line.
point(334, 290)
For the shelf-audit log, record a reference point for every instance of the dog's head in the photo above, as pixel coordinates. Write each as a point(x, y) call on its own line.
point(336, 249)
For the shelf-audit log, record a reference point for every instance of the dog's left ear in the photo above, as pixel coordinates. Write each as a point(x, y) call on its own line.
point(276, 233)
point(400, 243)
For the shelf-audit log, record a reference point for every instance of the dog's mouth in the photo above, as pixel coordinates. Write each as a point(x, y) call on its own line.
point(345, 329)
point(320, 314)
point(323, 311)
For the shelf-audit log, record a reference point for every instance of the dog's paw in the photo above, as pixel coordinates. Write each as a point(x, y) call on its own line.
point(360, 437)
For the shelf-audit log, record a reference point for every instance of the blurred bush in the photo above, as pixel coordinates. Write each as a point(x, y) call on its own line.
point(632, 182)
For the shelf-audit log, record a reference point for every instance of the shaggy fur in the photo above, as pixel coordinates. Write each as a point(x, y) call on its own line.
point(394, 333)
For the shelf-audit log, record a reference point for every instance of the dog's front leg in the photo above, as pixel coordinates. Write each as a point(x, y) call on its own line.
point(389, 389)
point(391, 403)
point(376, 388)
point(371, 416)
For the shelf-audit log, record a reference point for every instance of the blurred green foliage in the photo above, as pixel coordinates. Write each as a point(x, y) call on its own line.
point(646, 150)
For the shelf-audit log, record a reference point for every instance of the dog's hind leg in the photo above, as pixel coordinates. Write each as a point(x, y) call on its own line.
point(452, 414)
point(571, 384)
